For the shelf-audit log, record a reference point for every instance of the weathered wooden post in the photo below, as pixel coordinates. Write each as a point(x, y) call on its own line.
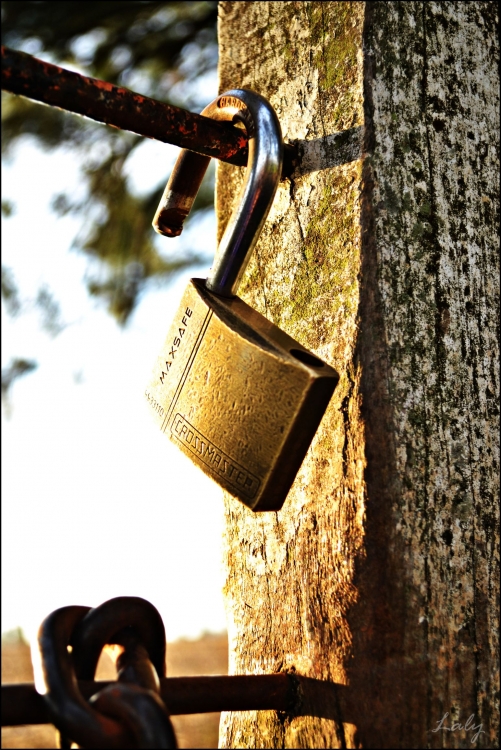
point(381, 254)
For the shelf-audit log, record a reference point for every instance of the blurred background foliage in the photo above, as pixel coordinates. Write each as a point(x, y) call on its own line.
point(165, 50)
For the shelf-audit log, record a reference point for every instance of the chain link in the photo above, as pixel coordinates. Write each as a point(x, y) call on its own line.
point(127, 714)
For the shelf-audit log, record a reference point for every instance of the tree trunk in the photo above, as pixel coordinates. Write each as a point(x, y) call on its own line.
point(381, 571)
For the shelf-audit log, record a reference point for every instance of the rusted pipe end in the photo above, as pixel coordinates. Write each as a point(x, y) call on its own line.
point(180, 193)
point(169, 222)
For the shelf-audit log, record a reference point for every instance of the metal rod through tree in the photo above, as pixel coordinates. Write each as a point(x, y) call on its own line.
point(28, 76)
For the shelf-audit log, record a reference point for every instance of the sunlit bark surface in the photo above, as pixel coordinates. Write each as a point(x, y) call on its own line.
point(381, 255)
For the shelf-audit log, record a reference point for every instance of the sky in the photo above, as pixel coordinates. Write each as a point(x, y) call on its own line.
point(96, 502)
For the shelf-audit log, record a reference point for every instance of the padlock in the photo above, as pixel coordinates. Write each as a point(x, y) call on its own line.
point(237, 395)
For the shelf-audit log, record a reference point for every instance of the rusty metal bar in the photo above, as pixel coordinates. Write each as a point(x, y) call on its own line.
point(118, 107)
point(268, 692)
point(21, 704)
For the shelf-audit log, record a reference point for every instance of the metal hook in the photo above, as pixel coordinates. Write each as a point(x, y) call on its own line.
point(264, 170)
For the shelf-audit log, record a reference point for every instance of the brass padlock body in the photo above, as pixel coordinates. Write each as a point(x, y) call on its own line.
point(239, 396)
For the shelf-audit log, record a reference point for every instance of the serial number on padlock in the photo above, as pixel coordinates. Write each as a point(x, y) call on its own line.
point(154, 404)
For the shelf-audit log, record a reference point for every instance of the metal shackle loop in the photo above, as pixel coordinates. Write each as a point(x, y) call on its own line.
point(264, 169)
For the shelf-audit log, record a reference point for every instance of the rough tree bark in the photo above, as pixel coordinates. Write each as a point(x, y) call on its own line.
point(381, 255)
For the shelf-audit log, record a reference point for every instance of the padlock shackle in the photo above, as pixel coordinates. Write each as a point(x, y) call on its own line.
point(264, 169)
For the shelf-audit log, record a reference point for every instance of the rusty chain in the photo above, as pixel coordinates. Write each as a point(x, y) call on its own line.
point(127, 714)
point(132, 712)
